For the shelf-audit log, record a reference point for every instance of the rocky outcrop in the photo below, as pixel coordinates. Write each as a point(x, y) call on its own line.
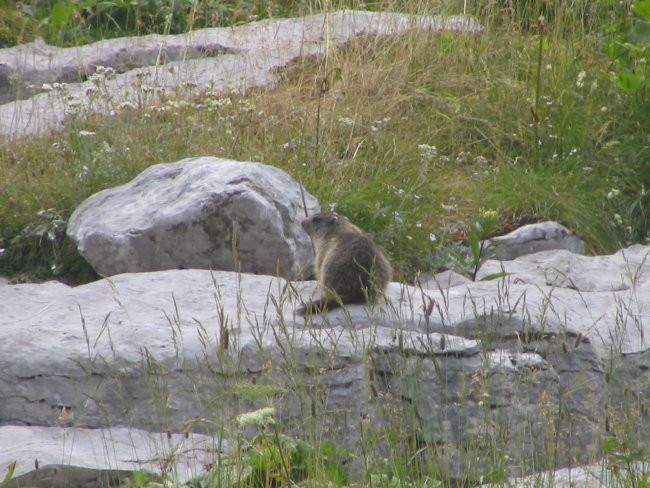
point(144, 69)
point(535, 373)
point(207, 213)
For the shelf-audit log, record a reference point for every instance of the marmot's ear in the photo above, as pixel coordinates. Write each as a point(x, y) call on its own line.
point(336, 217)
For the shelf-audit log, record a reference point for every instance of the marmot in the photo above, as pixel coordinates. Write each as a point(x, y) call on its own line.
point(348, 265)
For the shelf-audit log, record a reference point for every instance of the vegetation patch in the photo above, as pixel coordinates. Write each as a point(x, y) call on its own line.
point(412, 137)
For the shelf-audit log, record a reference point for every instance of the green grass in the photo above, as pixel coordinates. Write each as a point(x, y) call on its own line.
point(533, 140)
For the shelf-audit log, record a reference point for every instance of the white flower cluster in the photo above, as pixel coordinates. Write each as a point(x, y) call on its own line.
point(428, 154)
point(346, 122)
point(260, 418)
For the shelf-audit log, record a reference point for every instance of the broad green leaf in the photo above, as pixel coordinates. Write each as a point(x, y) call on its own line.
point(495, 276)
point(630, 82)
point(62, 12)
point(642, 8)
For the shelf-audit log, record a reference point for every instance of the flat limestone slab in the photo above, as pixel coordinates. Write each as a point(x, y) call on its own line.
point(164, 351)
point(177, 456)
point(223, 60)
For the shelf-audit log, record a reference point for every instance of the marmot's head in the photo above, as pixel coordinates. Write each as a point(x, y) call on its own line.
point(321, 224)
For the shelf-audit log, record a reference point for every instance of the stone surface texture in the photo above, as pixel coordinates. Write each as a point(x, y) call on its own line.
point(147, 68)
point(605, 473)
point(538, 371)
point(534, 238)
point(207, 213)
point(120, 449)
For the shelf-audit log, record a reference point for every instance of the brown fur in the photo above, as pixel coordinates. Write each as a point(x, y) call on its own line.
point(348, 265)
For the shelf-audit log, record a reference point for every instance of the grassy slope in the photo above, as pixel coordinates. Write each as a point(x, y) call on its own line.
point(349, 127)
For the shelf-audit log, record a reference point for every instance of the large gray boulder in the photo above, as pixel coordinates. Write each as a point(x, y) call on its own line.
point(534, 374)
point(207, 213)
point(145, 69)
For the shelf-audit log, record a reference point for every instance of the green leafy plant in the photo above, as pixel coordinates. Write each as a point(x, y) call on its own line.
point(42, 250)
point(142, 480)
point(272, 458)
point(630, 48)
point(41, 240)
point(626, 460)
point(480, 248)
point(484, 226)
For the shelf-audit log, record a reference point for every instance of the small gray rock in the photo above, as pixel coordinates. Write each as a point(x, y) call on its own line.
point(192, 214)
point(533, 238)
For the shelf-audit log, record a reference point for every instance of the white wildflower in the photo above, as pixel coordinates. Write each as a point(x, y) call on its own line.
point(432, 237)
point(613, 193)
point(488, 214)
point(617, 219)
point(287, 146)
point(463, 157)
point(87, 133)
point(377, 125)
point(428, 153)
point(580, 81)
point(260, 418)
point(481, 160)
point(84, 173)
point(346, 122)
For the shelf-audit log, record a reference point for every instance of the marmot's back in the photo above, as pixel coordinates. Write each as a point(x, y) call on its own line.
point(348, 264)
